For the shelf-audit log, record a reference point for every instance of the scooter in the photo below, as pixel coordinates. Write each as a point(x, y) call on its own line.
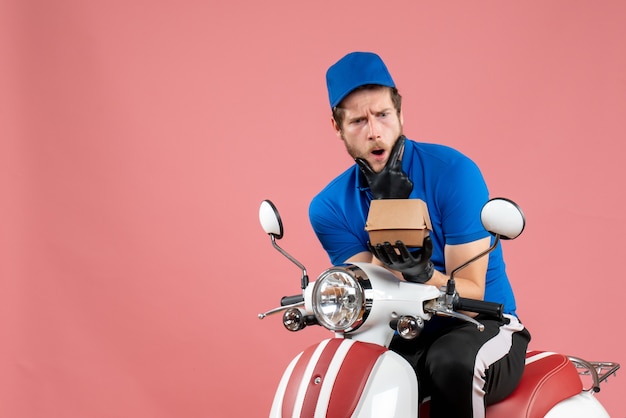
point(354, 374)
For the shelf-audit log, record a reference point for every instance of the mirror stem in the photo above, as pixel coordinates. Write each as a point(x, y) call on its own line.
point(470, 261)
point(305, 278)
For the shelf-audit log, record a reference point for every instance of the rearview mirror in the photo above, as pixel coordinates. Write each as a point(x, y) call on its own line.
point(270, 219)
point(503, 217)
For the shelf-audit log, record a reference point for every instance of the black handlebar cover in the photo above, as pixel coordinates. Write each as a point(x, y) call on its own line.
point(290, 300)
point(480, 307)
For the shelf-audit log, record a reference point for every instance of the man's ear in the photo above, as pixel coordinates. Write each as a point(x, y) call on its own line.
point(336, 127)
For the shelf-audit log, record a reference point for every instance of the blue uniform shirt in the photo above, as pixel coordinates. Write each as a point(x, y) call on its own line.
point(454, 191)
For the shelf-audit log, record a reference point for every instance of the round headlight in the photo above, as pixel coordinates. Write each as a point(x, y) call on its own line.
point(338, 300)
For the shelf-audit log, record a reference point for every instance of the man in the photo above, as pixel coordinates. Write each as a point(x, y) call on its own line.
point(461, 369)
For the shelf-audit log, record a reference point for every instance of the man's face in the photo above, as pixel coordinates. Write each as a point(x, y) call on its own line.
point(371, 126)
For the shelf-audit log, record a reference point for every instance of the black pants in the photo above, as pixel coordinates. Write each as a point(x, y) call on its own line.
point(463, 369)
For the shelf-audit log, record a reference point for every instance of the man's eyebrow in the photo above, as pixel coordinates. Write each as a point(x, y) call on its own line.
point(388, 109)
point(355, 117)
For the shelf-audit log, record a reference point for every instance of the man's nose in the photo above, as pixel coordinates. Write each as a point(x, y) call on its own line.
point(374, 131)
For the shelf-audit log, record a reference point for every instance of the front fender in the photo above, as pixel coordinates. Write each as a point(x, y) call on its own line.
point(345, 378)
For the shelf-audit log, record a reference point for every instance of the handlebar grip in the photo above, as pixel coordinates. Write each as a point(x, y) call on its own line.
point(290, 300)
point(480, 307)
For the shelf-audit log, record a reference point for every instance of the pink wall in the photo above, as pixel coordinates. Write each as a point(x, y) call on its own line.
point(138, 138)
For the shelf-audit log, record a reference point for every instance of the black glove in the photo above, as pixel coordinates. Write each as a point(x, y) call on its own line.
point(391, 182)
point(415, 266)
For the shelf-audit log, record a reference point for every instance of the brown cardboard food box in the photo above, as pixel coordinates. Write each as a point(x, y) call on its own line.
point(390, 220)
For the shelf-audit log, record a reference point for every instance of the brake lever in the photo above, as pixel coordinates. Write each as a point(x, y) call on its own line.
point(442, 307)
point(280, 309)
point(461, 316)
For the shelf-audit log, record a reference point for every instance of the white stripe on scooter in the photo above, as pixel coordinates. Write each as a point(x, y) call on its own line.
point(538, 357)
point(329, 380)
point(306, 377)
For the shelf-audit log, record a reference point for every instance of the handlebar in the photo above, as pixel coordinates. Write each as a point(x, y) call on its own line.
point(291, 300)
point(480, 307)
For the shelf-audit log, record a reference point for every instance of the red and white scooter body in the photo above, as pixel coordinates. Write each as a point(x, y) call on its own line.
point(357, 376)
point(343, 378)
point(340, 378)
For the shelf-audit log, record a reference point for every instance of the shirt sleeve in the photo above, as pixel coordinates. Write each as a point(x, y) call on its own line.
point(462, 193)
point(334, 231)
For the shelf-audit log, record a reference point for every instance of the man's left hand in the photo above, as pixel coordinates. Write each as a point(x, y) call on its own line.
point(415, 265)
point(391, 182)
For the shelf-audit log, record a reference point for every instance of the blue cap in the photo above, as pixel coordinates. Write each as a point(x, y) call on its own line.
point(355, 70)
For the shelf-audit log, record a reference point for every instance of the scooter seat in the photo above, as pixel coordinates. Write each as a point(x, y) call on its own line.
point(548, 379)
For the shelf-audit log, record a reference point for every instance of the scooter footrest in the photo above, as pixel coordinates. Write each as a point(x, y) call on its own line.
point(548, 379)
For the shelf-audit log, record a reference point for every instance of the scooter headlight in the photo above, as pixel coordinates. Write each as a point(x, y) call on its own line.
point(338, 298)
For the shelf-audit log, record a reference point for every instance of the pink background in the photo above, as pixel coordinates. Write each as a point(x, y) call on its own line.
point(139, 137)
